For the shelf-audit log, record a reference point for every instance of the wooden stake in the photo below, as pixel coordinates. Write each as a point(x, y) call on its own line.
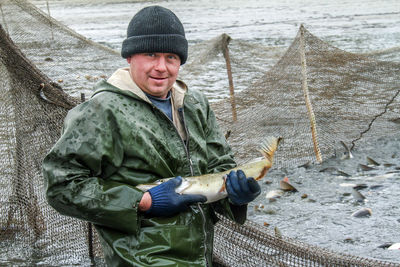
point(51, 25)
point(307, 96)
point(226, 39)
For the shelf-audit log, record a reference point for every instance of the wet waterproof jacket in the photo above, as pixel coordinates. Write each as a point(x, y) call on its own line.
point(119, 139)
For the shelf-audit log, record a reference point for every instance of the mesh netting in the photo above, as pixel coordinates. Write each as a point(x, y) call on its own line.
point(314, 96)
point(250, 245)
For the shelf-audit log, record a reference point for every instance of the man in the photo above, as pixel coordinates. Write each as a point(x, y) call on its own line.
point(139, 126)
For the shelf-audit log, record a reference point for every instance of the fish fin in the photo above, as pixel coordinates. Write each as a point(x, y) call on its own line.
point(223, 187)
point(267, 149)
point(349, 155)
point(269, 146)
point(227, 134)
point(262, 173)
point(145, 187)
point(372, 162)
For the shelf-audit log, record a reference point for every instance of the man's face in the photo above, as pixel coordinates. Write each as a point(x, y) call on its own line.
point(154, 73)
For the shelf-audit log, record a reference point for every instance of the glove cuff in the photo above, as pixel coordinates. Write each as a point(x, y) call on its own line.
point(158, 200)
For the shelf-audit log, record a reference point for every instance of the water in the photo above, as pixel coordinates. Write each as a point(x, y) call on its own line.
point(324, 217)
point(354, 26)
point(357, 26)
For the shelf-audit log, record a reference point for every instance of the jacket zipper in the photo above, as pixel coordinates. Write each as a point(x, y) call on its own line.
point(181, 114)
point(186, 146)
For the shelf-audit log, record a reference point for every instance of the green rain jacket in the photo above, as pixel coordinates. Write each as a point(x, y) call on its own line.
point(119, 139)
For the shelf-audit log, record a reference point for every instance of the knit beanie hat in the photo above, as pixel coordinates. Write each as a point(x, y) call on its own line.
point(155, 29)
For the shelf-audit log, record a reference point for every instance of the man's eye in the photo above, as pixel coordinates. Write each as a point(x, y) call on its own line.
point(172, 57)
point(150, 54)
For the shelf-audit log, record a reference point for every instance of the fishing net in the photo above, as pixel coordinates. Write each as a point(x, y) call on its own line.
point(313, 96)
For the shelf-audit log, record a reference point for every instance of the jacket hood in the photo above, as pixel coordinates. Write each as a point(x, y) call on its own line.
point(122, 80)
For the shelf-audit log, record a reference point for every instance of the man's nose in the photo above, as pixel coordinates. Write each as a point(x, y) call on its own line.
point(161, 64)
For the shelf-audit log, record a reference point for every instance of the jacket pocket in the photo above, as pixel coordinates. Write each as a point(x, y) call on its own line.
point(170, 245)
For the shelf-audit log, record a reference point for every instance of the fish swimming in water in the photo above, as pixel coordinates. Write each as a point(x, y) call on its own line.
point(358, 196)
point(286, 186)
point(347, 154)
point(212, 185)
point(274, 194)
point(363, 167)
point(372, 162)
point(364, 212)
point(394, 246)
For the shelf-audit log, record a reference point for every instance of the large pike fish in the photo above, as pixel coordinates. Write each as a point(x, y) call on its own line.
point(213, 185)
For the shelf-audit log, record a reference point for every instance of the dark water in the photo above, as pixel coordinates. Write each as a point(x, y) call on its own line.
point(323, 218)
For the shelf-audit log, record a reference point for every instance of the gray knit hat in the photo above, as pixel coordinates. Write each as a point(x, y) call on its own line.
point(155, 29)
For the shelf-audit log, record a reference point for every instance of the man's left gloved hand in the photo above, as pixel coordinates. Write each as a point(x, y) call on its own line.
point(241, 190)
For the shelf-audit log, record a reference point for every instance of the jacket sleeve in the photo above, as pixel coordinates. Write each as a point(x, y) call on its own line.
point(221, 159)
point(77, 168)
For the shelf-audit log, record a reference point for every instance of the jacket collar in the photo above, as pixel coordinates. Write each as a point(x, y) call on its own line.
point(122, 79)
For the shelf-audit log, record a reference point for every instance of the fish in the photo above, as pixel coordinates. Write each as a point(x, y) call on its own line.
point(329, 170)
point(360, 186)
point(372, 162)
point(305, 165)
point(227, 134)
point(335, 171)
point(384, 176)
point(342, 173)
point(348, 154)
point(364, 212)
point(358, 196)
point(385, 245)
point(286, 186)
point(363, 167)
point(347, 185)
point(212, 185)
point(354, 186)
point(394, 246)
point(372, 187)
point(274, 194)
point(395, 120)
point(388, 165)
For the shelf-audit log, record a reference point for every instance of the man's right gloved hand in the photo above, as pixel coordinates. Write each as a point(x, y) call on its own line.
point(166, 202)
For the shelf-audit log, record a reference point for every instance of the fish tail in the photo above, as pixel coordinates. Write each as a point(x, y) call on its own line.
point(267, 149)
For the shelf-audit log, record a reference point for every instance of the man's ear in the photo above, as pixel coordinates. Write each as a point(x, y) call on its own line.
point(128, 59)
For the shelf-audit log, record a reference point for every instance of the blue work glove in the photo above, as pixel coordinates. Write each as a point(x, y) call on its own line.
point(166, 202)
point(241, 190)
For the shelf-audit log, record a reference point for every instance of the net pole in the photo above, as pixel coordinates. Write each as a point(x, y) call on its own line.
point(51, 25)
point(225, 49)
point(304, 86)
point(4, 19)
